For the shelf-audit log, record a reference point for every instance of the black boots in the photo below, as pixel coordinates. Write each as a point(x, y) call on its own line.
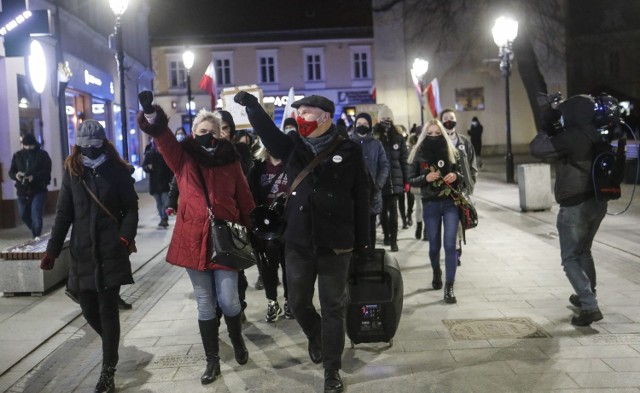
point(394, 245)
point(419, 230)
point(332, 381)
point(436, 283)
point(234, 327)
point(449, 296)
point(209, 334)
point(315, 349)
point(586, 317)
point(106, 383)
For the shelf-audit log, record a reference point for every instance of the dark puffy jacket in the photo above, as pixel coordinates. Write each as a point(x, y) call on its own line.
point(397, 154)
point(418, 171)
point(571, 150)
point(99, 259)
point(159, 173)
point(34, 163)
point(377, 164)
point(330, 208)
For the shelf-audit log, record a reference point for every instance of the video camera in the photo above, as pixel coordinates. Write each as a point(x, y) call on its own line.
point(606, 117)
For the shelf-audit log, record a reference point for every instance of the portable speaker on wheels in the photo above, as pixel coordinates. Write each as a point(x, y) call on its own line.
point(376, 293)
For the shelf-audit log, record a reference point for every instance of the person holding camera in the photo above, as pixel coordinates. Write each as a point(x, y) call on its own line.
point(572, 149)
point(327, 215)
point(98, 201)
point(207, 157)
point(31, 170)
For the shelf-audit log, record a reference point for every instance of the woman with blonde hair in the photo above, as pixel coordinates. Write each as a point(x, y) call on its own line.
point(434, 168)
point(205, 157)
point(97, 197)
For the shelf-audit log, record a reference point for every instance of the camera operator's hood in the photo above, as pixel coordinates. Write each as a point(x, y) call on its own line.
point(577, 111)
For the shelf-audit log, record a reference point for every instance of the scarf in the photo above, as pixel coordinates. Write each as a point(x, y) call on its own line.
point(320, 143)
point(93, 164)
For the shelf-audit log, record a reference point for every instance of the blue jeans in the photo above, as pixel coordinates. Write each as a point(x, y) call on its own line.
point(577, 226)
point(30, 210)
point(161, 204)
point(215, 286)
point(437, 214)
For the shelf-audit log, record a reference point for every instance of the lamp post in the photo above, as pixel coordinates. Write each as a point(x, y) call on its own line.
point(119, 7)
point(418, 71)
point(187, 59)
point(504, 33)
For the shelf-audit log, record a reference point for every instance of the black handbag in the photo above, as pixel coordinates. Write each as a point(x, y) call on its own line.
point(228, 241)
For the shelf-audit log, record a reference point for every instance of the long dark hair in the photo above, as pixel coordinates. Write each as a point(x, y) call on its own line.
point(74, 164)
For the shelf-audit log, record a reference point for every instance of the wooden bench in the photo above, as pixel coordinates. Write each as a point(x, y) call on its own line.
point(20, 272)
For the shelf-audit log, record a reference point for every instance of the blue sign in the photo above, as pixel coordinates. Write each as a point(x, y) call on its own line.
point(89, 79)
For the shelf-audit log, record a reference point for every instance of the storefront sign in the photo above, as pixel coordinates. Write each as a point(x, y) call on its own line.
point(89, 79)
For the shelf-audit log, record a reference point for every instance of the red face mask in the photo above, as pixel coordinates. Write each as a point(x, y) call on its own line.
point(305, 128)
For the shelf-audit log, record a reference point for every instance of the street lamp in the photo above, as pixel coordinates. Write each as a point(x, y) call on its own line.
point(119, 7)
point(418, 71)
point(504, 32)
point(187, 59)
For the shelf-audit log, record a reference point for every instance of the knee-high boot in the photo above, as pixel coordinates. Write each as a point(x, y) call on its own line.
point(209, 335)
point(234, 327)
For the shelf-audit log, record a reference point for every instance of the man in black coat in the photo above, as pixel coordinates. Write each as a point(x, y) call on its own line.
point(327, 220)
point(31, 170)
point(159, 181)
point(397, 182)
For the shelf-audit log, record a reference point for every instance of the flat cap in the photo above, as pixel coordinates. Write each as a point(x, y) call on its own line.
point(316, 101)
point(90, 133)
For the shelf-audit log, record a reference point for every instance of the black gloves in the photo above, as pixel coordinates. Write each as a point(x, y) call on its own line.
point(146, 101)
point(245, 99)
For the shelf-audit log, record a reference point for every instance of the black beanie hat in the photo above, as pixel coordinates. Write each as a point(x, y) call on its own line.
point(290, 121)
point(366, 116)
point(29, 140)
point(226, 117)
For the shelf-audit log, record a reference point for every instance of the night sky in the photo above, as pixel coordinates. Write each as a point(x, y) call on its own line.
point(205, 17)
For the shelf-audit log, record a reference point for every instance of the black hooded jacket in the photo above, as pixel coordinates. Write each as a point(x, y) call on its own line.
point(571, 150)
point(34, 163)
point(397, 154)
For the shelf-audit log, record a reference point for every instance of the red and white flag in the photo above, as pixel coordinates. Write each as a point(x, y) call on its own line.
point(288, 109)
point(208, 84)
point(433, 96)
point(372, 92)
point(418, 85)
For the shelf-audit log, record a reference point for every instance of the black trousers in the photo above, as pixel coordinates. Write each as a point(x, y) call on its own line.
point(304, 266)
point(274, 258)
point(389, 216)
point(100, 309)
point(372, 231)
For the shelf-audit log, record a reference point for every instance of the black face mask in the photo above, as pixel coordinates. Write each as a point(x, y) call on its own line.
point(362, 130)
point(435, 145)
point(449, 124)
point(92, 152)
point(204, 140)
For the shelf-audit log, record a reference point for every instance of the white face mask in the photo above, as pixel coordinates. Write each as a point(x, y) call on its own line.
point(474, 123)
point(289, 129)
point(180, 137)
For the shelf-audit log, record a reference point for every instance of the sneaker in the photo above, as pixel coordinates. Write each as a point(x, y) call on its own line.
point(587, 317)
point(259, 285)
point(419, 231)
point(575, 300)
point(394, 246)
point(36, 238)
point(288, 314)
point(273, 311)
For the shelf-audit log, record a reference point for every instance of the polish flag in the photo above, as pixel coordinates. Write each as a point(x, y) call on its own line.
point(433, 96)
point(208, 84)
point(372, 92)
point(288, 109)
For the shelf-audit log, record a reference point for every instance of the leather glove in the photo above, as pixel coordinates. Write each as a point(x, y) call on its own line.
point(245, 99)
point(407, 187)
point(170, 211)
point(47, 262)
point(160, 123)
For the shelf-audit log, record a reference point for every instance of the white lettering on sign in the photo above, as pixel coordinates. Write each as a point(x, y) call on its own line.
point(91, 79)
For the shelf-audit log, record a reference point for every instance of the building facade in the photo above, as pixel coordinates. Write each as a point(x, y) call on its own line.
point(79, 40)
point(334, 63)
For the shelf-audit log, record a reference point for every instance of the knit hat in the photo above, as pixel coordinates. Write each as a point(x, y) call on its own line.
point(385, 113)
point(90, 133)
point(290, 121)
point(29, 140)
point(228, 118)
point(365, 116)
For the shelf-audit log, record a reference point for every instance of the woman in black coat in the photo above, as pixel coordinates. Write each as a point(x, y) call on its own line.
point(102, 236)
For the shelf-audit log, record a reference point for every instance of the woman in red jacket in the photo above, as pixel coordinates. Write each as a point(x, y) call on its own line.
point(219, 163)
